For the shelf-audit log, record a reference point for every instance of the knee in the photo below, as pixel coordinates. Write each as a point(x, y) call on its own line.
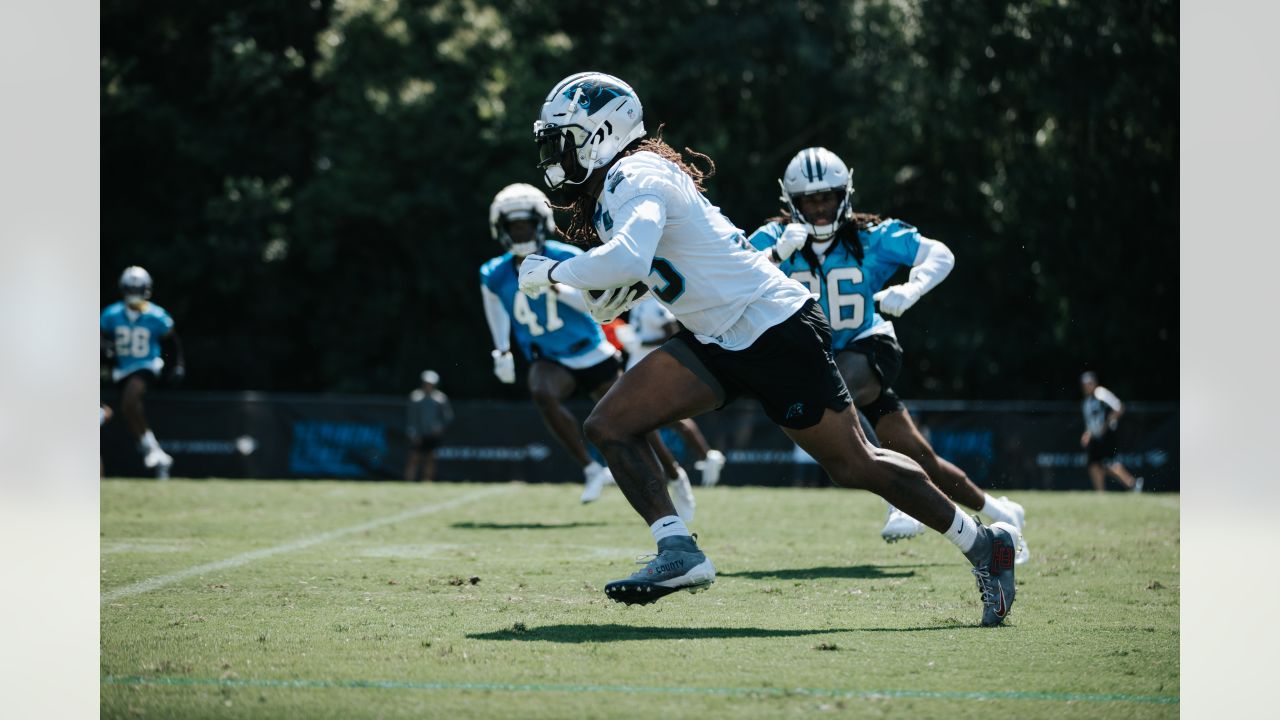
point(866, 395)
point(599, 428)
point(545, 399)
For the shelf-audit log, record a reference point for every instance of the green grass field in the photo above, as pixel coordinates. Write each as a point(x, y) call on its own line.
point(348, 600)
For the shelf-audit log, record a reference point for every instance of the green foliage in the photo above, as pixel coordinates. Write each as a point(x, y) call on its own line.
point(811, 611)
point(309, 183)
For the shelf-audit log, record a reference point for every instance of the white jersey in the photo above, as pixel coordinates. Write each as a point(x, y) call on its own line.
point(657, 228)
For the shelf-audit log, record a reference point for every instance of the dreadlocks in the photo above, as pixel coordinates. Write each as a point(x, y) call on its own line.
point(582, 231)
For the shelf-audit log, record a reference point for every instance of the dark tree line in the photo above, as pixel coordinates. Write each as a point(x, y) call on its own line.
point(309, 184)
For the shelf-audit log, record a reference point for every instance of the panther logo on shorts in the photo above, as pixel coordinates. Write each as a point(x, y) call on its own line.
point(795, 410)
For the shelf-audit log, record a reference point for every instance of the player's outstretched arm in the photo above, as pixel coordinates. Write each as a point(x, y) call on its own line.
point(621, 262)
point(933, 263)
point(497, 318)
point(504, 365)
point(175, 361)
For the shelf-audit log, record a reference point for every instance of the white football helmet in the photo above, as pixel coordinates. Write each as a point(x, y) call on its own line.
point(135, 284)
point(815, 170)
point(521, 201)
point(586, 120)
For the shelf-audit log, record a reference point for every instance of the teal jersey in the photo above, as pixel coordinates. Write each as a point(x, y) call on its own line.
point(844, 286)
point(543, 326)
point(136, 337)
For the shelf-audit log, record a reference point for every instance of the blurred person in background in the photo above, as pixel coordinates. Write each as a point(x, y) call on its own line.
point(749, 330)
point(648, 325)
point(429, 416)
point(567, 350)
point(845, 258)
point(140, 347)
point(1102, 411)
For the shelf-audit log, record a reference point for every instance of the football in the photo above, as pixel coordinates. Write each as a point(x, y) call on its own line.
point(639, 287)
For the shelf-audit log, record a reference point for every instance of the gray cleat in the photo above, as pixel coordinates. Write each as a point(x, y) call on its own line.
point(679, 565)
point(994, 571)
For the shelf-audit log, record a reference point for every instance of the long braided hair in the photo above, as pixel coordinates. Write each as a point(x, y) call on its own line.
point(582, 231)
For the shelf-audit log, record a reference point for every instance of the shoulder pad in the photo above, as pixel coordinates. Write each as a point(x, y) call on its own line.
point(643, 173)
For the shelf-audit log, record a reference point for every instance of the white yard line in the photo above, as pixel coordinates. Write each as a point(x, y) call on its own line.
point(245, 558)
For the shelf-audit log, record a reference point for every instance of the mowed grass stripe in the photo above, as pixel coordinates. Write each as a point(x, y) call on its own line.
point(160, 581)
point(640, 689)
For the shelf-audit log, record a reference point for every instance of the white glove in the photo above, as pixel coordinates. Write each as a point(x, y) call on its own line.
point(535, 274)
point(613, 303)
point(504, 366)
point(897, 299)
point(792, 239)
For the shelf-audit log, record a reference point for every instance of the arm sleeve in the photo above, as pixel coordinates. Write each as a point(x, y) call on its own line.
point(933, 262)
point(447, 412)
point(627, 258)
point(765, 236)
point(1108, 398)
point(499, 321)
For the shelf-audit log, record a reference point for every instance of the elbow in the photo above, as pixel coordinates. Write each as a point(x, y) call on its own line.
point(637, 271)
point(946, 258)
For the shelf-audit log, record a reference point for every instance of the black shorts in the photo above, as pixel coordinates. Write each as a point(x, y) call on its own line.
point(789, 369)
point(1102, 448)
point(425, 443)
point(587, 379)
point(147, 377)
point(884, 354)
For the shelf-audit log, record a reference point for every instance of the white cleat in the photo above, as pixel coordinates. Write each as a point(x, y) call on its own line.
point(682, 495)
point(900, 526)
point(160, 461)
point(1137, 484)
point(1020, 522)
point(1019, 513)
point(597, 476)
point(710, 467)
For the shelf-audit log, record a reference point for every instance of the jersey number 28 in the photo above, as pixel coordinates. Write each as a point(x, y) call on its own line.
point(132, 341)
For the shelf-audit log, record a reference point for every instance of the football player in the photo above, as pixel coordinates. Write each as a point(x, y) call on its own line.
point(1102, 411)
point(748, 330)
point(845, 258)
point(141, 347)
point(566, 349)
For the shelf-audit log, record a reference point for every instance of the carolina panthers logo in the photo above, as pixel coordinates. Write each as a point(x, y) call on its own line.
point(618, 177)
point(795, 411)
point(595, 94)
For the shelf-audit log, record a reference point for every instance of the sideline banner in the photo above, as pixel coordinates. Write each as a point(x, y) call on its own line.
point(1001, 445)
